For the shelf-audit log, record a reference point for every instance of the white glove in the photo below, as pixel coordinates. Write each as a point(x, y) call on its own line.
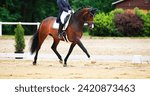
point(69, 12)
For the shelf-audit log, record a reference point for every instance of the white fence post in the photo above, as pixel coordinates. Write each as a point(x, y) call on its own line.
point(0, 28)
point(38, 24)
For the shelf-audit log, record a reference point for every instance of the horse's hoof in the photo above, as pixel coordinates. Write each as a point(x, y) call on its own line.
point(92, 61)
point(65, 65)
point(34, 63)
point(60, 61)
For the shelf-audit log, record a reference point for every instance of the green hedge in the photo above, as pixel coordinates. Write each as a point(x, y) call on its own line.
point(146, 31)
point(129, 24)
point(105, 23)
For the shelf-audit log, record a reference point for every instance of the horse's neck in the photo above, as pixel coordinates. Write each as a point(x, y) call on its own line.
point(77, 19)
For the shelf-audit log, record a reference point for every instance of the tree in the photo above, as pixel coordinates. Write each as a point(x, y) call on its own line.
point(37, 10)
point(102, 5)
point(19, 39)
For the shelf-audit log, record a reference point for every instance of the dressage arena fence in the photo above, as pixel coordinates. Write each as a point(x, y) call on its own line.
point(15, 23)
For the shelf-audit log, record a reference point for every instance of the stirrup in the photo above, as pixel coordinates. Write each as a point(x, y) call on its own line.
point(62, 35)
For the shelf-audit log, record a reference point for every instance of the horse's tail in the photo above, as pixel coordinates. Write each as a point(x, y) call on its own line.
point(34, 42)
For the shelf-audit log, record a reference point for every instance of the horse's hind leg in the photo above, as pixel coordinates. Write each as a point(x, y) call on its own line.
point(41, 39)
point(54, 48)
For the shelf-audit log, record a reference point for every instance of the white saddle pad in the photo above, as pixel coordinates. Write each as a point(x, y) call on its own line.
point(55, 25)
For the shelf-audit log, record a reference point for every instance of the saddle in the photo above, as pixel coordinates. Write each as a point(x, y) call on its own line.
point(65, 18)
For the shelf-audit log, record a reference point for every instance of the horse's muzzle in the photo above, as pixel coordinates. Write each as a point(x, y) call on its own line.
point(90, 25)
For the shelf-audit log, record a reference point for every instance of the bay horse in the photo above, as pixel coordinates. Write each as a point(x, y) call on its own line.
point(74, 33)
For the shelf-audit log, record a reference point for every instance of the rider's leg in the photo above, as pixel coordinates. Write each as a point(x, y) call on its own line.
point(60, 33)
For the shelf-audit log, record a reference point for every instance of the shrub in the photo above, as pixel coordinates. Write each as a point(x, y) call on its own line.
point(103, 25)
point(139, 13)
point(19, 39)
point(116, 11)
point(147, 24)
point(113, 13)
point(129, 24)
point(122, 23)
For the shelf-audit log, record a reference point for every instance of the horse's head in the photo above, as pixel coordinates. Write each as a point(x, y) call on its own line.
point(84, 16)
point(88, 16)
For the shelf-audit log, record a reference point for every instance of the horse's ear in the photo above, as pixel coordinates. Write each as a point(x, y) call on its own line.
point(93, 11)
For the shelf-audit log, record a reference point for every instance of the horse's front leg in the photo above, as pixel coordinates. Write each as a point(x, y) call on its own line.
point(86, 52)
point(83, 48)
point(69, 52)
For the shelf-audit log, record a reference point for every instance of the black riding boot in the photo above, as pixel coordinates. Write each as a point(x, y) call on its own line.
point(60, 33)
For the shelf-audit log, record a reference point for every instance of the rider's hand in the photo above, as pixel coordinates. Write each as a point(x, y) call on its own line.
point(69, 11)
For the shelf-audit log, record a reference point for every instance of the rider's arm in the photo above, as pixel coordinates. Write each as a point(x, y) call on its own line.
point(69, 7)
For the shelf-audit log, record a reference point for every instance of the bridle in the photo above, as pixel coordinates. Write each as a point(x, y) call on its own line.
point(87, 22)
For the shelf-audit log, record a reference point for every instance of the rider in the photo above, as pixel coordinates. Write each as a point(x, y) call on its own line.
point(63, 6)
